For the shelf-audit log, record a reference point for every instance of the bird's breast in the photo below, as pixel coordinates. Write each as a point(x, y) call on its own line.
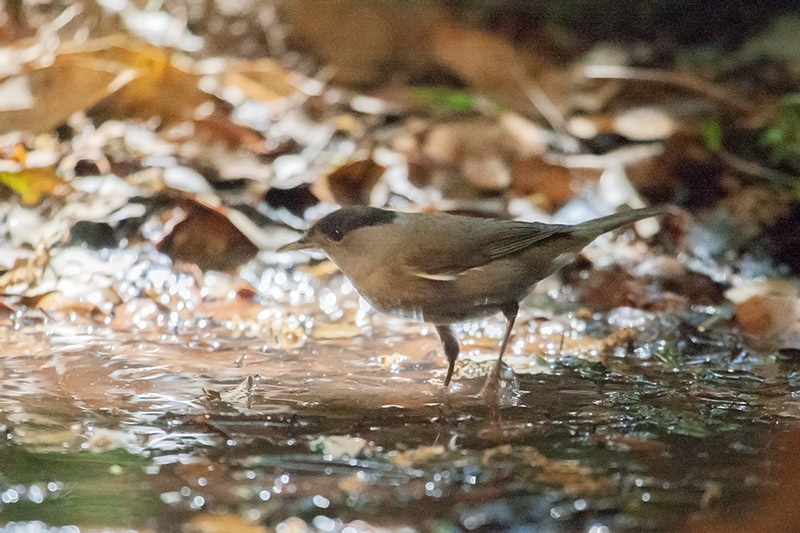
point(440, 300)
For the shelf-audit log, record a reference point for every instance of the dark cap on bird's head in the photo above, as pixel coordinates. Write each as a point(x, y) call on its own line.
point(335, 226)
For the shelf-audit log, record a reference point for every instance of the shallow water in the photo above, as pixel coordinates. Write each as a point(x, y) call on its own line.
point(200, 431)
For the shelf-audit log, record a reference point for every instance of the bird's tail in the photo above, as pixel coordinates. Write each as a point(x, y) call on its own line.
point(594, 228)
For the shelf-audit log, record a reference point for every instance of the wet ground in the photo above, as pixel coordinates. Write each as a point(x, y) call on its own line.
point(198, 428)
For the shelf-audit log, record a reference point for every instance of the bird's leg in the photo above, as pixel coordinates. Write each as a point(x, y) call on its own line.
point(451, 348)
point(510, 312)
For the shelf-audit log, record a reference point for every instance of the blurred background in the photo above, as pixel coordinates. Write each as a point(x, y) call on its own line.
point(164, 369)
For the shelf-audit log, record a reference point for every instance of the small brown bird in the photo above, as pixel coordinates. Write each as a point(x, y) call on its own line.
point(444, 269)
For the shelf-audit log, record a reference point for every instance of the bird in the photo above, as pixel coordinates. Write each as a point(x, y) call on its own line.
point(444, 269)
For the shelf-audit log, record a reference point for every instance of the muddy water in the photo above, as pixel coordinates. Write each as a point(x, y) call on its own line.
point(198, 431)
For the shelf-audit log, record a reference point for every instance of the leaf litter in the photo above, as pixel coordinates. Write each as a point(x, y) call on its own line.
point(153, 337)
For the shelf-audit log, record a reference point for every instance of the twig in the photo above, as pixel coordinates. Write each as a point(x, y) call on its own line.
point(752, 168)
point(678, 79)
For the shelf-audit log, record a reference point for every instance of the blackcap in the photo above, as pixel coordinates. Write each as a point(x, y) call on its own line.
point(443, 269)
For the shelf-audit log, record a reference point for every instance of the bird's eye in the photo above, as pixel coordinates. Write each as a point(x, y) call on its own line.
point(337, 235)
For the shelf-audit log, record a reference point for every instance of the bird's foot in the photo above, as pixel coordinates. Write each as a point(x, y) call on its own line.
point(501, 386)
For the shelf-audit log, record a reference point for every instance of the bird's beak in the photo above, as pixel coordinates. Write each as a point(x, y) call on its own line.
point(301, 244)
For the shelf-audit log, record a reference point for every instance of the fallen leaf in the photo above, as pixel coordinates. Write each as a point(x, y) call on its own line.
point(219, 129)
point(295, 199)
point(487, 61)
point(159, 76)
point(486, 173)
point(603, 290)
point(350, 184)
point(19, 153)
point(550, 184)
point(768, 314)
point(236, 310)
point(335, 331)
point(5, 309)
point(31, 184)
point(392, 362)
point(568, 475)
point(71, 83)
point(416, 456)
point(357, 39)
point(221, 523)
point(27, 271)
point(241, 395)
point(262, 80)
point(338, 446)
point(208, 238)
point(57, 303)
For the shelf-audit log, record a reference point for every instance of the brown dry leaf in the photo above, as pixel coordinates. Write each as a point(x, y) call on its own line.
point(335, 331)
point(294, 199)
point(492, 65)
point(208, 238)
point(756, 207)
point(350, 184)
point(392, 362)
point(165, 85)
point(582, 346)
point(622, 337)
point(551, 185)
point(5, 309)
point(73, 82)
point(354, 484)
point(570, 476)
point(27, 271)
point(221, 523)
point(487, 61)
point(242, 394)
point(450, 142)
point(415, 456)
point(57, 303)
point(527, 138)
point(219, 129)
point(768, 313)
point(358, 39)
point(125, 78)
point(478, 148)
point(603, 290)
point(486, 173)
point(682, 161)
point(19, 153)
point(31, 184)
point(259, 79)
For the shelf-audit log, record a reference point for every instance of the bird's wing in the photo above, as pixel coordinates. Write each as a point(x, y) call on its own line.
point(513, 237)
point(473, 245)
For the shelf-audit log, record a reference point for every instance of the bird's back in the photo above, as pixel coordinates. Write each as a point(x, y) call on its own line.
point(449, 268)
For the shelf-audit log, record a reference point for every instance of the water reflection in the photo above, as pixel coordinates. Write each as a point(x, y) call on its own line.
point(210, 425)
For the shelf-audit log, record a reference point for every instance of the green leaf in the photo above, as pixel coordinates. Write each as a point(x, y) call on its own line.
point(712, 134)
